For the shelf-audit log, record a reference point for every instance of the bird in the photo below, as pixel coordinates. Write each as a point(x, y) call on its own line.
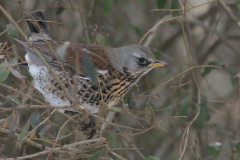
point(117, 69)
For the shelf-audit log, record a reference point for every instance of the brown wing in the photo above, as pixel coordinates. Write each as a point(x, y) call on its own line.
point(73, 55)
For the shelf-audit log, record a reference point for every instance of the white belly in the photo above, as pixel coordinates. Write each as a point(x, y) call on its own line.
point(40, 75)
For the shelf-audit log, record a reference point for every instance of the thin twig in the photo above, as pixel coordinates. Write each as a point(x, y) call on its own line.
point(34, 20)
point(60, 132)
point(188, 127)
point(148, 129)
point(230, 13)
point(40, 123)
point(15, 90)
point(156, 26)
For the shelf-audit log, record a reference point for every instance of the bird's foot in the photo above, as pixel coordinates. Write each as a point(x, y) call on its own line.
point(91, 125)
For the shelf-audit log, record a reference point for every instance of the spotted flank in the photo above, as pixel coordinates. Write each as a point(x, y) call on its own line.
point(113, 86)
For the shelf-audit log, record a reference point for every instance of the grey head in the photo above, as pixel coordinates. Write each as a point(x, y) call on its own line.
point(136, 58)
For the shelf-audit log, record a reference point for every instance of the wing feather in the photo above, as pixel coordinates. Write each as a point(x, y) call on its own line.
point(73, 55)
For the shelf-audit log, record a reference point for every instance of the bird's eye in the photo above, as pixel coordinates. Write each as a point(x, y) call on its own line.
point(141, 60)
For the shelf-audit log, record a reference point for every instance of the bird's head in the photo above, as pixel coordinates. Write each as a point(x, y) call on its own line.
point(135, 58)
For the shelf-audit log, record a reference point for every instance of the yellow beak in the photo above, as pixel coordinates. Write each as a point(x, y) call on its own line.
point(159, 64)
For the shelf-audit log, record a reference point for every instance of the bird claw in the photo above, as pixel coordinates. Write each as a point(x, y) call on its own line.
point(90, 125)
point(92, 133)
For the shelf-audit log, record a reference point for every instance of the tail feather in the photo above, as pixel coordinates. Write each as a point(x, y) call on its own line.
point(43, 25)
point(22, 42)
point(31, 26)
point(39, 28)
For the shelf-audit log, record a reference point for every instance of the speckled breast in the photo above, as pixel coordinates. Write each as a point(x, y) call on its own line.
point(113, 87)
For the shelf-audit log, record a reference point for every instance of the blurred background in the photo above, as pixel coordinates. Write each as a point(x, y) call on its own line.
point(208, 34)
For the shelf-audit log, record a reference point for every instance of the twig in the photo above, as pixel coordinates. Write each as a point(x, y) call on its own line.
point(230, 13)
point(60, 132)
point(72, 5)
point(188, 53)
point(3, 85)
point(217, 110)
point(34, 20)
point(151, 36)
point(189, 125)
point(156, 26)
point(133, 116)
point(171, 10)
point(41, 123)
point(186, 43)
point(113, 153)
point(28, 141)
point(189, 69)
point(91, 8)
point(222, 37)
point(131, 144)
point(34, 107)
point(20, 3)
point(183, 7)
point(55, 149)
point(148, 129)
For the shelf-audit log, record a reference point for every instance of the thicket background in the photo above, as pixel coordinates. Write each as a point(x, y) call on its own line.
point(202, 33)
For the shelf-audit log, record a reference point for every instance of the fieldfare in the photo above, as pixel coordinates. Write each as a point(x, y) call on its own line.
point(117, 69)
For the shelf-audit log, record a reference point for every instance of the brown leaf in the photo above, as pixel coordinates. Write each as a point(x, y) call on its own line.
point(6, 123)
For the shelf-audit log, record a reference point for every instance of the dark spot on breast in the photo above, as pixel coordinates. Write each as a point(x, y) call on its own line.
point(84, 99)
point(80, 92)
point(114, 90)
point(91, 90)
point(123, 84)
point(104, 91)
point(109, 87)
point(101, 77)
point(112, 97)
point(97, 97)
point(103, 96)
point(85, 86)
point(114, 84)
point(109, 96)
point(124, 78)
point(87, 95)
point(95, 87)
point(54, 90)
